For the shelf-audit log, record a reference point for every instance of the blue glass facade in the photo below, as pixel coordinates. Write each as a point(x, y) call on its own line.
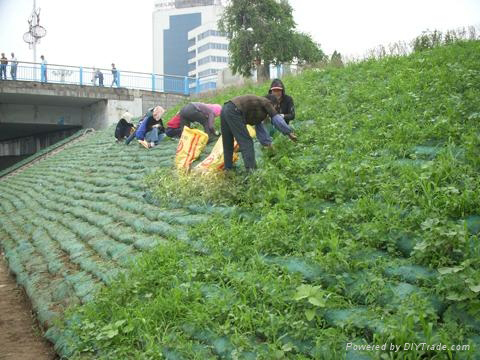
point(175, 40)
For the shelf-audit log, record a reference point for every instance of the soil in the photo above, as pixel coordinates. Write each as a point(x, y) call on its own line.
point(20, 336)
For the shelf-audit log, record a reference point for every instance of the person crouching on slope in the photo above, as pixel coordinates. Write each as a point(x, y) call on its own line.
point(285, 105)
point(173, 129)
point(150, 131)
point(251, 110)
point(202, 113)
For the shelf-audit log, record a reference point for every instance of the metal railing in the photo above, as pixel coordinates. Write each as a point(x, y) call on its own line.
point(87, 76)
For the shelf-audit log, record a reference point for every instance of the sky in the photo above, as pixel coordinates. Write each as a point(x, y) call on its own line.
point(98, 32)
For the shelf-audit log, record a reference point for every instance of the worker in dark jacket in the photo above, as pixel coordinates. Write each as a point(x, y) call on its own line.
point(285, 106)
point(251, 110)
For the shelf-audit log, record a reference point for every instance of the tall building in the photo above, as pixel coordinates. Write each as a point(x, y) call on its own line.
point(186, 40)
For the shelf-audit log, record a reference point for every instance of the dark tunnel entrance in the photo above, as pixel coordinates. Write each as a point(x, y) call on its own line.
point(19, 141)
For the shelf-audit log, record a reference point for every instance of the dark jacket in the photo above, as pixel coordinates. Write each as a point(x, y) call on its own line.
point(254, 108)
point(146, 125)
point(123, 129)
point(286, 105)
point(151, 122)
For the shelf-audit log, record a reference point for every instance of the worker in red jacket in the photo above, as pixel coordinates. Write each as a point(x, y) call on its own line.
point(173, 129)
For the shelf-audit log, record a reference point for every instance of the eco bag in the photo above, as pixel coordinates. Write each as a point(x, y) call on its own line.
point(191, 144)
point(215, 161)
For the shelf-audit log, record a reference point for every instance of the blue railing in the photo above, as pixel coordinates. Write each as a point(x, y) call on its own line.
point(87, 76)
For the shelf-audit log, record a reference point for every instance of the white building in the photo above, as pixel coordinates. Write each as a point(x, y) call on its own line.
point(186, 41)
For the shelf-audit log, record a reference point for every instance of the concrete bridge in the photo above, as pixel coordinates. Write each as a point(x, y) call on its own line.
point(30, 110)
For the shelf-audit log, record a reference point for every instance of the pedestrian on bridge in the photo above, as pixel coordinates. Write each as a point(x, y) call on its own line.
point(98, 75)
point(115, 76)
point(3, 67)
point(13, 67)
point(43, 69)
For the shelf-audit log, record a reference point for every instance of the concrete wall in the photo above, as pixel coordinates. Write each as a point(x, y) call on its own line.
point(98, 115)
point(167, 101)
point(66, 92)
point(104, 113)
point(31, 144)
point(41, 114)
point(225, 78)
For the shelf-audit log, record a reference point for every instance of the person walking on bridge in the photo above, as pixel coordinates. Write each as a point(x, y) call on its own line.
point(115, 76)
point(3, 67)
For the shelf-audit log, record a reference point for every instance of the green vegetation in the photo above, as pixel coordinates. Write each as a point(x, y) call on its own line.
point(263, 32)
point(363, 232)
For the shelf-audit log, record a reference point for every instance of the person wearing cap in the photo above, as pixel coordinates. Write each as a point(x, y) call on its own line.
point(204, 114)
point(251, 110)
point(285, 107)
point(150, 131)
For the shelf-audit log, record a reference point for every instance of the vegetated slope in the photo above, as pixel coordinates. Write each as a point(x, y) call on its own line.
point(73, 221)
point(364, 231)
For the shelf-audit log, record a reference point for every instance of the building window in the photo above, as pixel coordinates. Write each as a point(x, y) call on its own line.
point(191, 55)
point(191, 42)
point(191, 67)
point(180, 4)
point(216, 46)
point(208, 33)
point(208, 59)
point(208, 72)
point(208, 86)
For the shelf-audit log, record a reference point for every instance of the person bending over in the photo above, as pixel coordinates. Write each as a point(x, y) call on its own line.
point(202, 113)
point(251, 110)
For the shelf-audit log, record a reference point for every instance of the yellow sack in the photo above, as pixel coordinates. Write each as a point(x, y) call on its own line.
point(215, 161)
point(191, 144)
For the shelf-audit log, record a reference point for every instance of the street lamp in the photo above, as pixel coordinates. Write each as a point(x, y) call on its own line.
point(35, 32)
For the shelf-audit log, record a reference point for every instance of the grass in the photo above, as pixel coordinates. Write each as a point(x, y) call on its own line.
point(361, 232)
point(355, 233)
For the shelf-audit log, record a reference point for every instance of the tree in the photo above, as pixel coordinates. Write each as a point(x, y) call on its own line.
point(336, 59)
point(263, 33)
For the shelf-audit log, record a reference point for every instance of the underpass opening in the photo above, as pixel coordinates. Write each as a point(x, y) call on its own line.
point(20, 140)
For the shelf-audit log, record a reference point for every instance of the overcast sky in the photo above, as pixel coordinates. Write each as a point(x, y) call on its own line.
point(99, 32)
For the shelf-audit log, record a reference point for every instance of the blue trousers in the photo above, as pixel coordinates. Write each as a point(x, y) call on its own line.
point(154, 136)
point(3, 71)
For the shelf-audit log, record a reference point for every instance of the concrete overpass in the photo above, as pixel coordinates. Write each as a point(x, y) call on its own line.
point(28, 102)
point(29, 110)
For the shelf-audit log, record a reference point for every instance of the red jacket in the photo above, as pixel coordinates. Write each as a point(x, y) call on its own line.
point(174, 122)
